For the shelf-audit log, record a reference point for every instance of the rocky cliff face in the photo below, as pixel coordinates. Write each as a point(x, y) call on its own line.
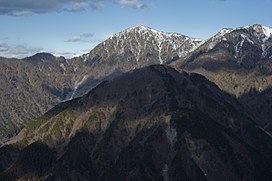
point(152, 123)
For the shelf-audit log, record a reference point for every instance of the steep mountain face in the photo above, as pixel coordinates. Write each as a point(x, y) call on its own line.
point(140, 44)
point(33, 85)
point(152, 123)
point(133, 48)
point(239, 62)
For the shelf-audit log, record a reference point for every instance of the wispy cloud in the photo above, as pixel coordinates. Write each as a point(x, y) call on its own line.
point(79, 6)
point(18, 51)
point(83, 38)
point(65, 54)
point(23, 50)
point(28, 7)
point(97, 5)
point(4, 47)
point(135, 4)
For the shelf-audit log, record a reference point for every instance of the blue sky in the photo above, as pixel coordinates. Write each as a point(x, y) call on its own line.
point(73, 27)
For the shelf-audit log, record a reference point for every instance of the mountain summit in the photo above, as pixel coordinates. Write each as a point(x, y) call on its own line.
point(243, 47)
point(140, 44)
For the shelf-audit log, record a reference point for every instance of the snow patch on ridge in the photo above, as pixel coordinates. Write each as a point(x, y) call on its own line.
point(239, 45)
point(246, 38)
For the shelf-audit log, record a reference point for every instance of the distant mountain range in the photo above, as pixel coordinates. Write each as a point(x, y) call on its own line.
point(123, 117)
point(238, 60)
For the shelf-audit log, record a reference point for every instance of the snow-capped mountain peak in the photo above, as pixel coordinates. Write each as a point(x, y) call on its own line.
point(263, 33)
point(139, 42)
point(141, 29)
point(258, 30)
point(246, 46)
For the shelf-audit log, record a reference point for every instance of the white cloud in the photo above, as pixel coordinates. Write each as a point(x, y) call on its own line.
point(97, 5)
point(23, 50)
point(79, 6)
point(85, 38)
point(135, 4)
point(65, 54)
point(18, 51)
point(20, 13)
point(4, 47)
point(28, 7)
